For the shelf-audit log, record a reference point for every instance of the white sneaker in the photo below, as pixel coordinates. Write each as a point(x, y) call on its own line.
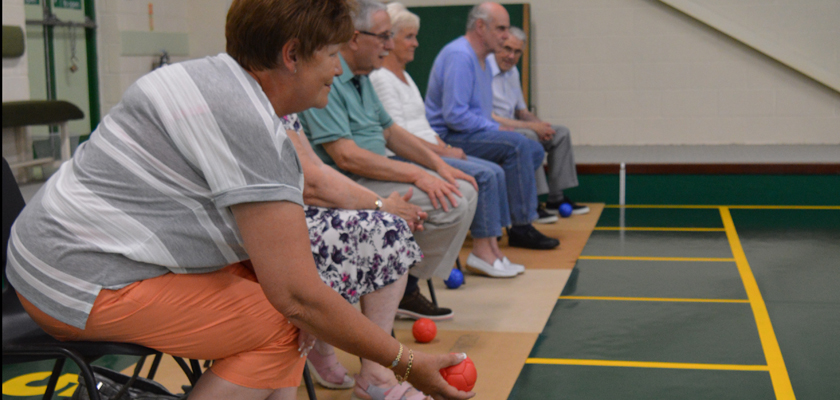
point(481, 267)
point(519, 268)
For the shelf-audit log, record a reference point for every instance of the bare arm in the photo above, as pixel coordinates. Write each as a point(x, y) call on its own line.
point(350, 157)
point(410, 147)
point(525, 115)
point(326, 187)
point(444, 150)
point(289, 278)
point(543, 129)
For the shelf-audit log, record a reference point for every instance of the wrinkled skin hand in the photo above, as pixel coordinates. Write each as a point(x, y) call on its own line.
point(400, 206)
point(425, 376)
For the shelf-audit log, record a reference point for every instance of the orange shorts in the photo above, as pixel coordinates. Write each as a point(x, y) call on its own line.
point(222, 316)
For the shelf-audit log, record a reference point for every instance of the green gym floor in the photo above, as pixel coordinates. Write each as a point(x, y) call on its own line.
point(697, 302)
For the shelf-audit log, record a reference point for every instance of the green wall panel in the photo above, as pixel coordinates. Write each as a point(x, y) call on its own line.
point(711, 189)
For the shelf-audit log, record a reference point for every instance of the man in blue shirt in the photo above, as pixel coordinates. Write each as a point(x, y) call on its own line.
point(352, 133)
point(509, 110)
point(459, 106)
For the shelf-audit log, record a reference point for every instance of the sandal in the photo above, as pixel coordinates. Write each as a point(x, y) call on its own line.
point(328, 372)
point(397, 392)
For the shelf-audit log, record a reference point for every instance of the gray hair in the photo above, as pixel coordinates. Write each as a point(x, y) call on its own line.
point(402, 18)
point(519, 34)
point(478, 12)
point(363, 15)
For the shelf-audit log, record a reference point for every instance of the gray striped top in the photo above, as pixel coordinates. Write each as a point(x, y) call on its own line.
point(149, 193)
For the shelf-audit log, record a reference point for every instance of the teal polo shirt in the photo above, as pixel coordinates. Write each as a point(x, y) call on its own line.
point(347, 115)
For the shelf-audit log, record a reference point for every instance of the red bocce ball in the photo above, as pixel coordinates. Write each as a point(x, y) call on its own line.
point(424, 330)
point(462, 375)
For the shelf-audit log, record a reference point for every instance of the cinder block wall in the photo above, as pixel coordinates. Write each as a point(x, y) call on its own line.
point(15, 72)
point(118, 71)
point(617, 72)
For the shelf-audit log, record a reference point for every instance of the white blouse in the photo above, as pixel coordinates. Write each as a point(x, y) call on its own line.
point(403, 103)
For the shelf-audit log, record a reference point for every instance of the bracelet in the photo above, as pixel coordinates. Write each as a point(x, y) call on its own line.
point(397, 360)
point(407, 370)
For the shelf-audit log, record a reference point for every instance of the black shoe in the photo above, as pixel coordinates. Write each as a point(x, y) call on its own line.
point(545, 217)
point(577, 209)
point(530, 238)
point(415, 306)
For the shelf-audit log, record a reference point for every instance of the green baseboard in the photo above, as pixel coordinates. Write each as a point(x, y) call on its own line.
point(822, 190)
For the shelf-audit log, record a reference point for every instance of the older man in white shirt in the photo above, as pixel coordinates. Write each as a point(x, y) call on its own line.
point(510, 110)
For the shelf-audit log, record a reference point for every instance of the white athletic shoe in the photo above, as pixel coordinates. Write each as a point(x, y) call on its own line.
point(481, 267)
point(519, 268)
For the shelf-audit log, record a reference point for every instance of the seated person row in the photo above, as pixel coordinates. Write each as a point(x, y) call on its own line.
point(214, 262)
point(459, 107)
point(403, 102)
point(352, 133)
point(510, 111)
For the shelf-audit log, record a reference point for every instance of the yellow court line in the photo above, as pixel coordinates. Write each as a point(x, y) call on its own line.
point(772, 352)
point(632, 258)
point(740, 207)
point(645, 364)
point(655, 229)
point(675, 300)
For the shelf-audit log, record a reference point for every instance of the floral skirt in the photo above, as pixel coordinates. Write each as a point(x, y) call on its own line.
point(360, 251)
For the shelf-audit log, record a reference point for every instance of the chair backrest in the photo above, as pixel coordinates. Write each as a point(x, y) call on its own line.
point(12, 205)
point(13, 44)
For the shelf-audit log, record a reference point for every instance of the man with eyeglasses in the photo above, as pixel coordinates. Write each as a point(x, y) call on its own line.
point(510, 110)
point(354, 133)
point(459, 107)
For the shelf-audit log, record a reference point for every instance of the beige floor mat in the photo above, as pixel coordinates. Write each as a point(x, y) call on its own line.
point(521, 304)
point(573, 233)
point(498, 357)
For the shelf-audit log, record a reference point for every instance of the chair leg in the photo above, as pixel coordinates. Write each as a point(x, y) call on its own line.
point(59, 365)
point(130, 383)
point(310, 387)
point(154, 367)
point(458, 265)
point(187, 370)
point(432, 292)
point(196, 367)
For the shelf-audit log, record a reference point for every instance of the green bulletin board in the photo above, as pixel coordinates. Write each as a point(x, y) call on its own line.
point(440, 25)
point(68, 4)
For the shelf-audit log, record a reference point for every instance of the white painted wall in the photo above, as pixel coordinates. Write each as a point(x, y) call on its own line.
point(635, 72)
point(116, 71)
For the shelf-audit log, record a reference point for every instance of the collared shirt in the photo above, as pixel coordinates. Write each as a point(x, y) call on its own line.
point(459, 98)
point(348, 115)
point(507, 91)
point(150, 192)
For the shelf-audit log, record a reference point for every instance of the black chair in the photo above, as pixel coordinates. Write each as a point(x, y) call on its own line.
point(432, 287)
point(24, 340)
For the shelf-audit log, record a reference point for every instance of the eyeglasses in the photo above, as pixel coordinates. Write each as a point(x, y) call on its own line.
point(384, 36)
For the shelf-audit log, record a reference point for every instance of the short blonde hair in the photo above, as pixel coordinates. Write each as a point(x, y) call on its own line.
point(401, 18)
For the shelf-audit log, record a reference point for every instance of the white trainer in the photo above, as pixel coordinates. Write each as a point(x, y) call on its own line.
point(481, 267)
point(519, 268)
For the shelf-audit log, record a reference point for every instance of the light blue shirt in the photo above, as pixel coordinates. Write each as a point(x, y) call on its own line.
point(459, 98)
point(507, 91)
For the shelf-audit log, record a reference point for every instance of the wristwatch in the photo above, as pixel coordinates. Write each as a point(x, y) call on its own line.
point(378, 203)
